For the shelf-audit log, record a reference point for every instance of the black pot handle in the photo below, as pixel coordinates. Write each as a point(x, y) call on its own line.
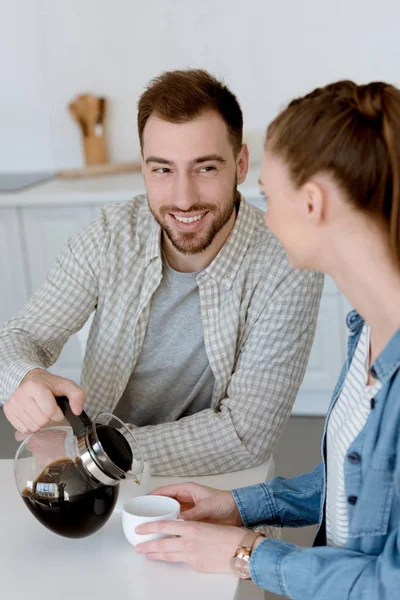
point(79, 423)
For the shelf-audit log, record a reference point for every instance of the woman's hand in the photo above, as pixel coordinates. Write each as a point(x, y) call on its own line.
point(205, 547)
point(202, 503)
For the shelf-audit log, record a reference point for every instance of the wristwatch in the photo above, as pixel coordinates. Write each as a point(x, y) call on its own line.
point(241, 559)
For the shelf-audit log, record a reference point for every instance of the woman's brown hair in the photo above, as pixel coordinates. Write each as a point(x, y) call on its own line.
point(180, 96)
point(351, 132)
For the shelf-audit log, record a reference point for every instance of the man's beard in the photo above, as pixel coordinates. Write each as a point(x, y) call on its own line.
point(194, 242)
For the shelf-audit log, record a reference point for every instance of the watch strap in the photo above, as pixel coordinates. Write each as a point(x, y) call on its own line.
point(249, 540)
point(243, 553)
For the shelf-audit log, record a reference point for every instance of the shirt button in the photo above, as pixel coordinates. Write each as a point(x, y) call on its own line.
point(354, 458)
point(352, 500)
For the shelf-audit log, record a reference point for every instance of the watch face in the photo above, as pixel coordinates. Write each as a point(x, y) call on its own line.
point(241, 567)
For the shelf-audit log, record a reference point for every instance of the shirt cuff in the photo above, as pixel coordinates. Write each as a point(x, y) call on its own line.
point(266, 568)
point(255, 503)
point(15, 374)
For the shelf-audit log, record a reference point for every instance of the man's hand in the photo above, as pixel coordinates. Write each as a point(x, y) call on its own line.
point(33, 405)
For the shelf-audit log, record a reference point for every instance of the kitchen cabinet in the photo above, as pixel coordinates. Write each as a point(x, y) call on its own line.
point(45, 231)
point(327, 355)
point(13, 281)
point(35, 225)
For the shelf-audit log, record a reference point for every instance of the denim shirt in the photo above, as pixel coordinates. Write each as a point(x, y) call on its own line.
point(368, 567)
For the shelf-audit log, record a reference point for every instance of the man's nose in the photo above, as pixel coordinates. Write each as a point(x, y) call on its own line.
point(184, 193)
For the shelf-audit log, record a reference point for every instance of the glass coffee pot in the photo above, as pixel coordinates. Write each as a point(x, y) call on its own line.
point(68, 476)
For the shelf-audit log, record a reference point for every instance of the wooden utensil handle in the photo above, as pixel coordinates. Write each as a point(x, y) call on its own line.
point(95, 150)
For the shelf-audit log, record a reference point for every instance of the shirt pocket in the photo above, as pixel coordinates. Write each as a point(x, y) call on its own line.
point(371, 513)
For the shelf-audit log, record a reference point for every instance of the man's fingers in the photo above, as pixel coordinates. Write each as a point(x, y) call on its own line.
point(33, 405)
point(49, 406)
point(25, 416)
point(75, 394)
point(38, 409)
point(21, 431)
point(20, 437)
point(20, 418)
point(40, 394)
point(77, 399)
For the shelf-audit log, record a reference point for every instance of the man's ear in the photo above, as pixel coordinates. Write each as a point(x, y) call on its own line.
point(242, 163)
point(314, 201)
point(142, 159)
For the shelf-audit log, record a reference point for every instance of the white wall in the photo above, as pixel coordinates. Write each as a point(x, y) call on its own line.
point(25, 134)
point(267, 51)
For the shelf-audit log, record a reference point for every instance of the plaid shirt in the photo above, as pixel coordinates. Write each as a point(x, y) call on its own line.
point(258, 313)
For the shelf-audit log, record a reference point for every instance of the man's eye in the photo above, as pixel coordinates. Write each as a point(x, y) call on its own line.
point(161, 170)
point(207, 169)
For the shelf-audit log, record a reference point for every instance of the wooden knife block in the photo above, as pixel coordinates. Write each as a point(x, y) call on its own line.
point(95, 150)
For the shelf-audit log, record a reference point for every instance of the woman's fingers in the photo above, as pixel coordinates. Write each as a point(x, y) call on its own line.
point(196, 501)
point(181, 492)
point(164, 527)
point(206, 548)
point(199, 512)
point(171, 544)
point(172, 557)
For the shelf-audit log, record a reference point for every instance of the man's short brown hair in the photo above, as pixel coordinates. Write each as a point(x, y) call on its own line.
point(180, 96)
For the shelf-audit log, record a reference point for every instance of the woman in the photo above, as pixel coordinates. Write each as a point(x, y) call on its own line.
point(331, 177)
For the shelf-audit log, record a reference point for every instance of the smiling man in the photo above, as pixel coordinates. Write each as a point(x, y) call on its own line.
point(202, 329)
point(193, 200)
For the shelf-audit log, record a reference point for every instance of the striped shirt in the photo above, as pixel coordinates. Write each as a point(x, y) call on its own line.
point(346, 421)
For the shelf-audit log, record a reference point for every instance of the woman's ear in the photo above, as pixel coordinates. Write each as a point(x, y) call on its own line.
point(313, 202)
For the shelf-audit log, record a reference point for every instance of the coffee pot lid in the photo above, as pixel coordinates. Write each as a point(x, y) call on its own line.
point(104, 450)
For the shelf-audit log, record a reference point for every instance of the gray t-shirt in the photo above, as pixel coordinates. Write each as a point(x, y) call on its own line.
point(172, 377)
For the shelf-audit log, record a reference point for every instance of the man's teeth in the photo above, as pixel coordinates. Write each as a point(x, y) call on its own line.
point(189, 219)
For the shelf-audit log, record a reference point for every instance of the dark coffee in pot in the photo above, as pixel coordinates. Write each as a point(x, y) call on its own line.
point(65, 501)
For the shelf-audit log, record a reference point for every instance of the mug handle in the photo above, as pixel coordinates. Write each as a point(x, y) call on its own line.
point(79, 423)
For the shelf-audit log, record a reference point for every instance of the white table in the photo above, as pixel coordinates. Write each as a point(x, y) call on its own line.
point(37, 564)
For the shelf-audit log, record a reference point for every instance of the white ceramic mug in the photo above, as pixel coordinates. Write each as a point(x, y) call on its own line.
point(146, 509)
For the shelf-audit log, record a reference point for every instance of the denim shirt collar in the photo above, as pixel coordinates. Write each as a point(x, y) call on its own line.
point(388, 361)
point(355, 322)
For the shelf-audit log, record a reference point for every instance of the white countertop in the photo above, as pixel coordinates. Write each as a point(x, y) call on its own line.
point(97, 190)
point(36, 563)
